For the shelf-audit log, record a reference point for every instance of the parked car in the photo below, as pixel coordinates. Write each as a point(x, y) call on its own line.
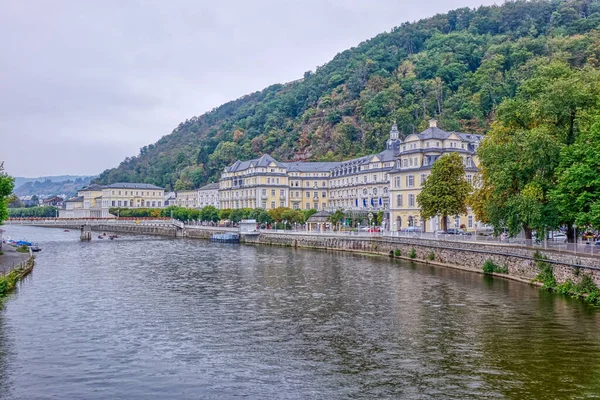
point(370, 229)
point(452, 231)
point(413, 229)
point(559, 237)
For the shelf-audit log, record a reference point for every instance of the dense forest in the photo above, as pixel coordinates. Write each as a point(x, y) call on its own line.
point(457, 67)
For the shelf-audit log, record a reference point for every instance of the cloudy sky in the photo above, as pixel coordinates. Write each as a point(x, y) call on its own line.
point(85, 84)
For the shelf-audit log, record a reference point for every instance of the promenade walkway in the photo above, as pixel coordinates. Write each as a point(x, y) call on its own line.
point(10, 258)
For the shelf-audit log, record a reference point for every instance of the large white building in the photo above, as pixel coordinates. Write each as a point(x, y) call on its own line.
point(387, 182)
point(208, 195)
point(95, 201)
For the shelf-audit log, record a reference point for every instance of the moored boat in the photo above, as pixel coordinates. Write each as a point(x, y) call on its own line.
point(225, 238)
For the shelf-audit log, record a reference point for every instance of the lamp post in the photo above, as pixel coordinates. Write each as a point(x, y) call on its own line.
point(575, 234)
point(370, 216)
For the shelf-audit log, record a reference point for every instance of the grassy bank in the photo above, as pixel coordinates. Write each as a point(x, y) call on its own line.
point(9, 281)
point(584, 288)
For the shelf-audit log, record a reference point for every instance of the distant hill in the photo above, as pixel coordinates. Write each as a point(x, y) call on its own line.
point(19, 180)
point(455, 67)
point(51, 185)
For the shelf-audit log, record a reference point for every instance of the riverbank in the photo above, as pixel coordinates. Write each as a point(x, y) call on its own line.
point(512, 262)
point(14, 266)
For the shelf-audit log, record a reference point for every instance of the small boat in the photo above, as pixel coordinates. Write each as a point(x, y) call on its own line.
point(35, 249)
point(66, 230)
point(100, 237)
point(225, 238)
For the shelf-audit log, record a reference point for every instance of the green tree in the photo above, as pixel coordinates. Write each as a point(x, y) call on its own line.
point(522, 150)
point(224, 214)
point(209, 214)
point(292, 216)
point(577, 191)
point(337, 217)
point(6, 187)
point(236, 215)
point(308, 213)
point(445, 191)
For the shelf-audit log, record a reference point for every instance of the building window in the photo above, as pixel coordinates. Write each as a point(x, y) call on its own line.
point(272, 192)
point(272, 204)
point(264, 192)
point(411, 200)
point(399, 200)
point(374, 178)
point(470, 179)
point(113, 203)
point(308, 195)
point(281, 204)
point(307, 206)
point(470, 221)
point(397, 181)
point(410, 181)
point(323, 194)
point(295, 206)
point(119, 192)
point(277, 180)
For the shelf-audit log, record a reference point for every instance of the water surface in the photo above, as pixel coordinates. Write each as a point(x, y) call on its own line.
point(154, 318)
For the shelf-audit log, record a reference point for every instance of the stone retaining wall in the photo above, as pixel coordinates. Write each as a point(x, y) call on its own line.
point(467, 256)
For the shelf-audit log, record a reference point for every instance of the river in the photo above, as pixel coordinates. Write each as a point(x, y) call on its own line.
point(157, 318)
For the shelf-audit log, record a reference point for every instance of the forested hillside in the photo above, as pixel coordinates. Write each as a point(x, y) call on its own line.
point(456, 67)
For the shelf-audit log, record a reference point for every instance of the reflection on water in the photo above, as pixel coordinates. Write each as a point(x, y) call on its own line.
point(143, 318)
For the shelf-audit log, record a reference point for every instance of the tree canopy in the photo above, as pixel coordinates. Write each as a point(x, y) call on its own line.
point(6, 187)
point(530, 138)
point(445, 190)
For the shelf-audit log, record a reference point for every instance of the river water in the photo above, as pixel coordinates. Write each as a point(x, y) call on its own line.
point(156, 318)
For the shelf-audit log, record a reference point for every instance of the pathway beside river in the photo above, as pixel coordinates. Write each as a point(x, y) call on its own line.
point(10, 259)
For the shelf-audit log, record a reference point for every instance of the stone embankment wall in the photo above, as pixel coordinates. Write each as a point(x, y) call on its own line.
point(462, 255)
point(468, 256)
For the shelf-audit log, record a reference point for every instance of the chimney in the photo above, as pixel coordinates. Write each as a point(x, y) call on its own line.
point(433, 123)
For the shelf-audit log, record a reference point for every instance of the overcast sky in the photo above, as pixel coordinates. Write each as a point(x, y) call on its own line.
point(85, 84)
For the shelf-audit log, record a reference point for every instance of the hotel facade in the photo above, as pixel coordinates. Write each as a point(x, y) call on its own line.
point(389, 181)
point(95, 201)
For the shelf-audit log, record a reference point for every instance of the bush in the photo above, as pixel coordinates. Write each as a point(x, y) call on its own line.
point(489, 268)
point(23, 249)
point(397, 253)
point(413, 253)
point(431, 256)
point(546, 274)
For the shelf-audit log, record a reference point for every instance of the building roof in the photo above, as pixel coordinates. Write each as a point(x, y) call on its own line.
point(76, 199)
point(300, 166)
point(263, 161)
point(92, 187)
point(321, 216)
point(433, 132)
point(127, 185)
point(210, 186)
